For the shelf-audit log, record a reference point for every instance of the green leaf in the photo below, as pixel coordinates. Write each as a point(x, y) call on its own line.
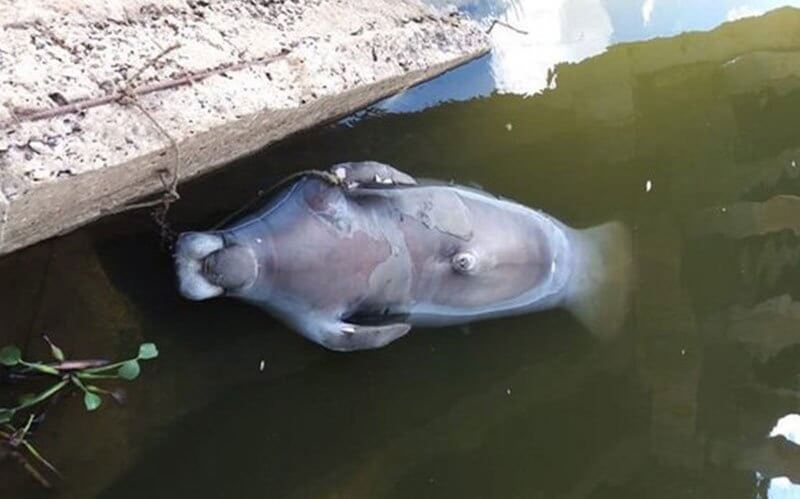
point(10, 356)
point(129, 370)
point(91, 401)
point(6, 415)
point(148, 351)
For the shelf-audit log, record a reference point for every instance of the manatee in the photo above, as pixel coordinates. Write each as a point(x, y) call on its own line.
point(355, 258)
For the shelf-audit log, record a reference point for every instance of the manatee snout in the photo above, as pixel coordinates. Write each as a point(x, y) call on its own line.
point(208, 267)
point(233, 267)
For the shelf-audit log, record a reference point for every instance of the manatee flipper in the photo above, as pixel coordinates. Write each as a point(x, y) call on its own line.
point(370, 173)
point(599, 292)
point(347, 337)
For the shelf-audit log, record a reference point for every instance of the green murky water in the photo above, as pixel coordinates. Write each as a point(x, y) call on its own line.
point(528, 407)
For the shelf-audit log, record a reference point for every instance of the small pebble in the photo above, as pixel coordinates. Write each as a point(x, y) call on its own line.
point(648, 186)
point(509, 126)
point(262, 366)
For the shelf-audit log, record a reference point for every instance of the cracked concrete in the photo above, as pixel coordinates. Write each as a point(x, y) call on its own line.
point(81, 80)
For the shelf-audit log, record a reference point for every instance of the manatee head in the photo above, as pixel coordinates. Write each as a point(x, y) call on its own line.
point(208, 265)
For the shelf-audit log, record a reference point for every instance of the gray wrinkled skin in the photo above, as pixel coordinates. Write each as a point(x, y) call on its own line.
point(354, 266)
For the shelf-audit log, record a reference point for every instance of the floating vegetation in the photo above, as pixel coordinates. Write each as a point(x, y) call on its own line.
point(66, 374)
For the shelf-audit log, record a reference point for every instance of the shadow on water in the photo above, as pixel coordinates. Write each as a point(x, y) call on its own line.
point(532, 406)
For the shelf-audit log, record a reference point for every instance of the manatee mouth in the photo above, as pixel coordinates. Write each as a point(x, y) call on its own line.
point(207, 266)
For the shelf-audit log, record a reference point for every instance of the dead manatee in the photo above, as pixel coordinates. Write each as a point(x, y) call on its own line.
point(354, 263)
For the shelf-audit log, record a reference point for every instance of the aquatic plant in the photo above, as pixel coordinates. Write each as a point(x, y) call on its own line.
point(66, 374)
point(77, 373)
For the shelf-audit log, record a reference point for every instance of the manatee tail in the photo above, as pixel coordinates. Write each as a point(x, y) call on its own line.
point(599, 292)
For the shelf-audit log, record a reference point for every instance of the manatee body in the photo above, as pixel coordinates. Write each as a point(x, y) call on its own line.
point(355, 262)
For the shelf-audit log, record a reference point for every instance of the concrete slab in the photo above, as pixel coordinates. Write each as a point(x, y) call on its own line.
point(104, 102)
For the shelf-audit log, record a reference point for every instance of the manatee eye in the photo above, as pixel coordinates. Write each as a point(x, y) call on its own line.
point(464, 262)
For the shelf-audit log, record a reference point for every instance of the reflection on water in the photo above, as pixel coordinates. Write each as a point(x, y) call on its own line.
point(538, 35)
point(786, 432)
point(558, 31)
point(683, 405)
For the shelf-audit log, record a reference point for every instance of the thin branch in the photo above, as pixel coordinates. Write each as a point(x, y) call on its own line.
point(152, 62)
point(503, 23)
point(31, 469)
point(38, 456)
point(29, 115)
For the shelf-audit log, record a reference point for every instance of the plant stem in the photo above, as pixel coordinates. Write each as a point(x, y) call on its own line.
point(42, 368)
point(77, 382)
point(30, 468)
point(84, 375)
point(35, 453)
point(42, 396)
point(109, 367)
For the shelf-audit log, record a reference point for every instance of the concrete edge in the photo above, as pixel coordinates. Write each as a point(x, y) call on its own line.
point(38, 215)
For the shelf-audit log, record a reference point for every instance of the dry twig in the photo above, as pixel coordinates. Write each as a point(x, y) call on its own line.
point(28, 115)
point(503, 23)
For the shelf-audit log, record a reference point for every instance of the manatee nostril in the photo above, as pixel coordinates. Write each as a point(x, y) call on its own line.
point(210, 267)
point(232, 267)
